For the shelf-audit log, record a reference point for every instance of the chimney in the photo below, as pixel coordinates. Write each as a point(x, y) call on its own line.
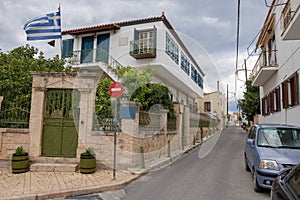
point(218, 86)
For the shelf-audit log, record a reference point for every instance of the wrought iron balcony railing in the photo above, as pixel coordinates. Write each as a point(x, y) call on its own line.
point(94, 56)
point(265, 59)
point(288, 12)
point(145, 48)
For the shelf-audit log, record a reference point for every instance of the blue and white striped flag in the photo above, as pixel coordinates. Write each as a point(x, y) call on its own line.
point(44, 27)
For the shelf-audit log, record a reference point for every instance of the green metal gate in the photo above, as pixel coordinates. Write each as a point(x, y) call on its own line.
point(61, 114)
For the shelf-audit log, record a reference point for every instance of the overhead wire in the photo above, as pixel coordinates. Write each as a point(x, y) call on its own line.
point(237, 45)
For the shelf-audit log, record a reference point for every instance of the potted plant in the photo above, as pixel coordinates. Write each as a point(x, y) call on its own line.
point(88, 161)
point(20, 161)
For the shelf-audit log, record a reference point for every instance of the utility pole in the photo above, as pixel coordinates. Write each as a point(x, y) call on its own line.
point(245, 69)
point(227, 103)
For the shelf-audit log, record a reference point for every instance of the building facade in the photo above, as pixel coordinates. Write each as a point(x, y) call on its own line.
point(214, 103)
point(276, 71)
point(138, 43)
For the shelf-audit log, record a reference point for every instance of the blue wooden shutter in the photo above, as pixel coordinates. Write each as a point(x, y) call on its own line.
point(67, 48)
point(87, 46)
point(154, 39)
point(102, 47)
point(135, 42)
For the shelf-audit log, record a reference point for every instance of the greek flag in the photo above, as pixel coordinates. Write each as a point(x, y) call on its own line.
point(44, 27)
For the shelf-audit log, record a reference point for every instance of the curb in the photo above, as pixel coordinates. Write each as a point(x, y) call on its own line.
point(111, 187)
point(74, 192)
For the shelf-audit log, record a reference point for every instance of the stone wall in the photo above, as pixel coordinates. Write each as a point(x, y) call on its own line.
point(10, 139)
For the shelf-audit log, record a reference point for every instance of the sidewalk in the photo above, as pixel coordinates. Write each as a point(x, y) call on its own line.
point(48, 185)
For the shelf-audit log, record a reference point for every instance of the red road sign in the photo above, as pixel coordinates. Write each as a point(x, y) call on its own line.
point(116, 90)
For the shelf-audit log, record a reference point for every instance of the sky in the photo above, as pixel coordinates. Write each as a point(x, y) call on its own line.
point(209, 29)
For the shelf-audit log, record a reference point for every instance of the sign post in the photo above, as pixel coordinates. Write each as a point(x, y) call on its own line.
point(115, 90)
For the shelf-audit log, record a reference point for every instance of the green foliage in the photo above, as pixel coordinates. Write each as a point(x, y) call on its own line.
point(89, 152)
point(132, 79)
point(153, 94)
point(15, 79)
point(20, 151)
point(250, 103)
point(103, 106)
point(137, 88)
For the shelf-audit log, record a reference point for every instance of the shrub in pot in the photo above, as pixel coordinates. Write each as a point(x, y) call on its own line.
point(20, 161)
point(88, 161)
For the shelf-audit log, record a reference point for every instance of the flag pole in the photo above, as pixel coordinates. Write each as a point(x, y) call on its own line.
point(60, 40)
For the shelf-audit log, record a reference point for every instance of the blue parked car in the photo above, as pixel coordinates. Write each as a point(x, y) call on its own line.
point(270, 148)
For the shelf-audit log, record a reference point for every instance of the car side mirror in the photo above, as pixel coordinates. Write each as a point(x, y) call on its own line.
point(251, 142)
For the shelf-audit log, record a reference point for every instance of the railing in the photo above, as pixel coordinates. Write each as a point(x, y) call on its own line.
point(145, 48)
point(105, 124)
point(288, 12)
point(14, 118)
point(265, 59)
point(149, 121)
point(92, 56)
point(171, 124)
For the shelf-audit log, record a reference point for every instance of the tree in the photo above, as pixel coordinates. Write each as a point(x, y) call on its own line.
point(154, 94)
point(132, 79)
point(103, 102)
point(250, 103)
point(15, 79)
point(137, 88)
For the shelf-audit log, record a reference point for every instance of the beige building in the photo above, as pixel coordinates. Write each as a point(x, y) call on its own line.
point(215, 104)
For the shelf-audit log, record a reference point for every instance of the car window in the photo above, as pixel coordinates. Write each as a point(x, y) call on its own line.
point(252, 132)
point(279, 137)
point(294, 183)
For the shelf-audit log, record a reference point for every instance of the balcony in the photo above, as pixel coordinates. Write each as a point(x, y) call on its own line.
point(142, 49)
point(264, 68)
point(95, 60)
point(290, 20)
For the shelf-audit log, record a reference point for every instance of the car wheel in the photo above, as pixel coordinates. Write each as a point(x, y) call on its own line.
point(256, 187)
point(246, 165)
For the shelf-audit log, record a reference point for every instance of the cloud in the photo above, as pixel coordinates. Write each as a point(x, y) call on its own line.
point(209, 27)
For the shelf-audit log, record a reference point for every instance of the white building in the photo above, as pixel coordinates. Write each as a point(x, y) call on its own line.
point(138, 43)
point(277, 68)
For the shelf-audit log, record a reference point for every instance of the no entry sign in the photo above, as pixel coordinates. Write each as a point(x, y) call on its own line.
point(116, 90)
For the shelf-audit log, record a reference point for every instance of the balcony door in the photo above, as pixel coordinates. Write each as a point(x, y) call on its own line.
point(102, 48)
point(87, 46)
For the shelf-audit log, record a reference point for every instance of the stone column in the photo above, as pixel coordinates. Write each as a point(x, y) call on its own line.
point(36, 120)
point(186, 126)
point(86, 83)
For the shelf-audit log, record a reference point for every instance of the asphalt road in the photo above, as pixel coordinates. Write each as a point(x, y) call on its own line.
point(204, 173)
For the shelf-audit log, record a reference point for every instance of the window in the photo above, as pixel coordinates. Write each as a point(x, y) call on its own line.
point(290, 92)
point(252, 133)
point(207, 106)
point(196, 77)
point(271, 102)
point(145, 40)
point(172, 48)
point(285, 97)
point(67, 48)
point(185, 64)
point(277, 99)
point(200, 80)
point(144, 43)
point(294, 92)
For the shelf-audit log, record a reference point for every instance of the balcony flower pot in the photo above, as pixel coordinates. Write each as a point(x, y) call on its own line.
point(20, 161)
point(88, 162)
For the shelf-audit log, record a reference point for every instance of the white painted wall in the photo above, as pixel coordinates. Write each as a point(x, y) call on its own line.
point(288, 59)
point(168, 71)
